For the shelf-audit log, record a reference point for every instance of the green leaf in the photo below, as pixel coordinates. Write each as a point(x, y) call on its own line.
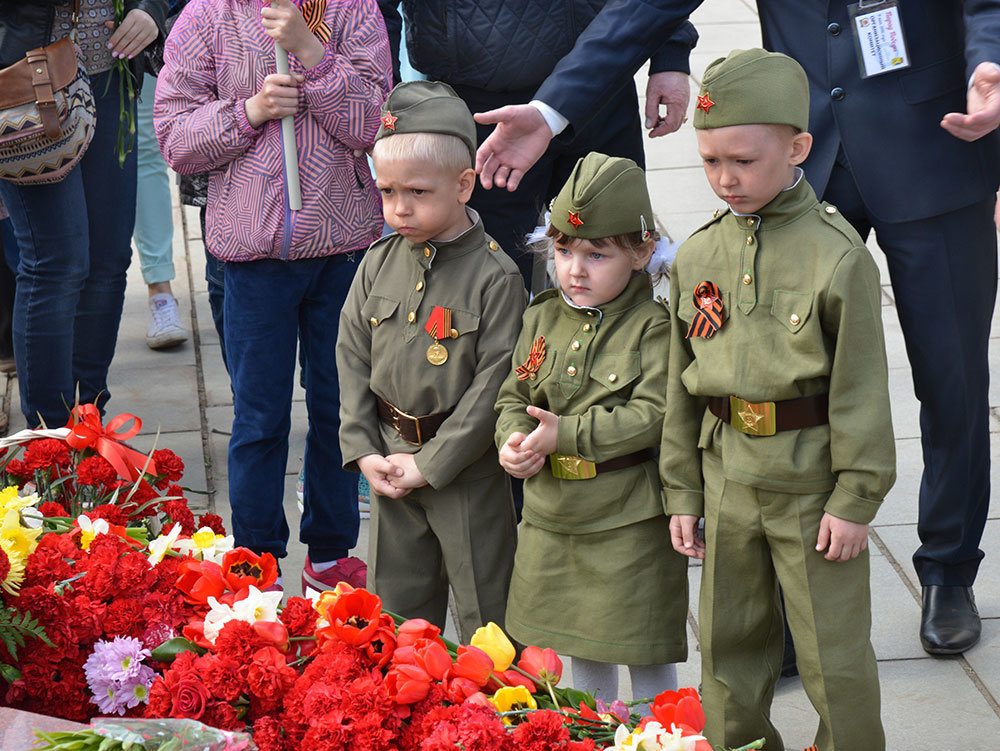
point(167, 651)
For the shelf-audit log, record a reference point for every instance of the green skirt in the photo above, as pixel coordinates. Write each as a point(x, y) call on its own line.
point(618, 596)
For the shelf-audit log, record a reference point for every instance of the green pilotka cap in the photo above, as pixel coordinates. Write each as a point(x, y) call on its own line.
point(604, 196)
point(427, 107)
point(748, 87)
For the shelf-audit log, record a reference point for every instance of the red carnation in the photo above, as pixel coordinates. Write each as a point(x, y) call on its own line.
point(299, 616)
point(213, 522)
point(51, 508)
point(239, 641)
point(269, 677)
point(267, 734)
point(222, 676)
point(544, 730)
point(47, 453)
point(124, 618)
point(111, 513)
point(179, 513)
point(169, 466)
point(96, 470)
point(221, 714)
point(20, 470)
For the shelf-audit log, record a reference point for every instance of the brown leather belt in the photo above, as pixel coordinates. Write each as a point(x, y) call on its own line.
point(414, 430)
point(577, 468)
point(768, 418)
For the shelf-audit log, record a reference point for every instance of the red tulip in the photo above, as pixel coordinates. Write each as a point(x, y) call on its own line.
point(473, 664)
point(199, 580)
point(681, 708)
point(544, 664)
point(459, 689)
point(355, 617)
point(413, 629)
point(432, 657)
point(407, 684)
point(274, 631)
point(380, 649)
point(510, 678)
point(195, 632)
point(243, 568)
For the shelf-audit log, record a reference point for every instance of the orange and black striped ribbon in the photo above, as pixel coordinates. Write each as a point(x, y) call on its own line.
point(535, 359)
point(439, 323)
point(811, 748)
point(313, 13)
point(709, 313)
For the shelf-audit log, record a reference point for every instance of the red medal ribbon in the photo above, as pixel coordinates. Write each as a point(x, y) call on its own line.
point(535, 359)
point(709, 313)
point(439, 324)
point(86, 431)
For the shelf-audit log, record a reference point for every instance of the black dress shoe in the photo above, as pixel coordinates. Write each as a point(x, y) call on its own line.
point(950, 623)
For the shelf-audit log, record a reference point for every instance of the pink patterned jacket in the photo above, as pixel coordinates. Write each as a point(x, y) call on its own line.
point(216, 57)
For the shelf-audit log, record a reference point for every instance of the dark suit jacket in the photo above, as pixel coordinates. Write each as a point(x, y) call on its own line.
point(906, 165)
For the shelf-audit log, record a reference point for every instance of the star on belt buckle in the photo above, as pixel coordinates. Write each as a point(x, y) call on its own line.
point(572, 467)
point(752, 418)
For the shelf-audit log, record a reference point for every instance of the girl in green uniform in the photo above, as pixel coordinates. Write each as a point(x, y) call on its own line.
point(580, 416)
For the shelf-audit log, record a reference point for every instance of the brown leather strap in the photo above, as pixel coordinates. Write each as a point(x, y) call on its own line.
point(623, 462)
point(412, 429)
point(792, 414)
point(45, 99)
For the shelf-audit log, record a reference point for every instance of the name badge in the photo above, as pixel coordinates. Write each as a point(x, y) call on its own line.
point(878, 37)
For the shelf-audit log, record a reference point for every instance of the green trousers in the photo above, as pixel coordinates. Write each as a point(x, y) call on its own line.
point(463, 535)
point(756, 540)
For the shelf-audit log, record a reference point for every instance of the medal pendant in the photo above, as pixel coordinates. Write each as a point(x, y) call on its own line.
point(437, 354)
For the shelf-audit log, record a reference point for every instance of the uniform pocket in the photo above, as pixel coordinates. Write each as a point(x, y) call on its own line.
point(463, 322)
point(377, 309)
point(792, 309)
point(616, 371)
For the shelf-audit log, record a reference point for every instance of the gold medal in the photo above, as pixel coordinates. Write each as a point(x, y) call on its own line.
point(437, 354)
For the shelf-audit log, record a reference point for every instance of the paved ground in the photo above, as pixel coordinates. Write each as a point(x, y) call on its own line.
point(927, 702)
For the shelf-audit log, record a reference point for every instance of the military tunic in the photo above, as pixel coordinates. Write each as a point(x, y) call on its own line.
point(460, 528)
point(587, 547)
point(803, 304)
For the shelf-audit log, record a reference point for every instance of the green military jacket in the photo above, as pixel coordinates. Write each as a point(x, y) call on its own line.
point(382, 349)
point(804, 317)
point(604, 374)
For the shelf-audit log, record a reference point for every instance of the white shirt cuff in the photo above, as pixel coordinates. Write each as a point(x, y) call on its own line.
point(556, 122)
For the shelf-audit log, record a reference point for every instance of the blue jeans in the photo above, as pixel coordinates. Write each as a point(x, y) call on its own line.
point(154, 219)
point(215, 276)
point(74, 242)
point(268, 303)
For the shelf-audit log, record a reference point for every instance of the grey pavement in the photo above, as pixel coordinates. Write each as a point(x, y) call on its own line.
point(928, 702)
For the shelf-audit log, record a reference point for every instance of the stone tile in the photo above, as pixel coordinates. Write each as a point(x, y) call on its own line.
point(905, 407)
point(726, 12)
point(901, 504)
point(680, 225)
point(188, 447)
point(902, 541)
point(984, 658)
point(895, 614)
point(218, 389)
point(895, 346)
point(206, 324)
point(165, 397)
point(688, 188)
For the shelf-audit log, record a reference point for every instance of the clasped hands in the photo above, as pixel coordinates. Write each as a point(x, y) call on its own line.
point(392, 476)
point(522, 456)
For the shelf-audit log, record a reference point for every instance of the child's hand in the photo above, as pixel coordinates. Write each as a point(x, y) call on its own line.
point(518, 462)
point(543, 439)
point(411, 476)
point(842, 540)
point(379, 471)
point(283, 22)
point(277, 98)
point(684, 536)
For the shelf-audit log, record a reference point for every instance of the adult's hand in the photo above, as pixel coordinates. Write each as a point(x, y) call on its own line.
point(518, 141)
point(136, 32)
point(672, 89)
point(983, 106)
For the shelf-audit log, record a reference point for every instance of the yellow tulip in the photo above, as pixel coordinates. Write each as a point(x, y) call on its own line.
point(512, 698)
point(494, 642)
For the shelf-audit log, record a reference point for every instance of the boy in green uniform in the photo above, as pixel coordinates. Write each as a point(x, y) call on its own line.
point(777, 428)
point(424, 344)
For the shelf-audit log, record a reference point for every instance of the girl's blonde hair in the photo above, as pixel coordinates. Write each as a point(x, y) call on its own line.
point(630, 242)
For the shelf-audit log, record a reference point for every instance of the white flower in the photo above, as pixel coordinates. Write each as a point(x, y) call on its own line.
point(159, 547)
point(206, 545)
point(654, 737)
point(258, 606)
point(91, 529)
point(218, 616)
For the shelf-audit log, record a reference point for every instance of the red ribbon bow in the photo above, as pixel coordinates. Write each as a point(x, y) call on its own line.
point(86, 431)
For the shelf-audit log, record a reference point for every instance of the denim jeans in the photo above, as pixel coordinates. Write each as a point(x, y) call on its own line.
point(215, 276)
point(268, 303)
point(154, 219)
point(74, 242)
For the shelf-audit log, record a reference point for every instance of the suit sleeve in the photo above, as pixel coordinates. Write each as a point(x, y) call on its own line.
point(862, 449)
point(982, 33)
point(467, 433)
point(680, 457)
point(359, 423)
point(609, 52)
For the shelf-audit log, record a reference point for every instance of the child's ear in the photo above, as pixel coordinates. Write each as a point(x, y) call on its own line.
point(642, 254)
point(801, 146)
point(466, 184)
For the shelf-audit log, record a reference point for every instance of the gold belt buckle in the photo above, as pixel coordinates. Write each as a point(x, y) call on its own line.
point(752, 418)
point(571, 467)
point(397, 413)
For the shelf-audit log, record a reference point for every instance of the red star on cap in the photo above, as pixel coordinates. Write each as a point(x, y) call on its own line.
point(389, 122)
point(574, 218)
point(704, 102)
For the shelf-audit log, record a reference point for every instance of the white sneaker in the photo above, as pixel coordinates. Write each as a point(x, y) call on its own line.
point(165, 329)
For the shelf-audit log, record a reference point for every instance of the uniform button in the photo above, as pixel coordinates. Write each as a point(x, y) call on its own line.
point(830, 209)
point(412, 317)
point(715, 213)
point(571, 370)
point(833, 29)
point(374, 321)
point(750, 240)
point(590, 313)
point(586, 328)
point(427, 252)
point(420, 286)
point(575, 345)
point(612, 378)
point(493, 245)
point(750, 221)
point(794, 319)
point(747, 278)
point(837, 94)
point(454, 333)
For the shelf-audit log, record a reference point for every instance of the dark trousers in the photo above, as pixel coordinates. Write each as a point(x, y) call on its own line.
point(8, 288)
point(267, 305)
point(215, 276)
point(944, 278)
point(74, 239)
point(508, 216)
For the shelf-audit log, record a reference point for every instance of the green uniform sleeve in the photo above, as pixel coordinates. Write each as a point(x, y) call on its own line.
point(861, 441)
point(514, 396)
point(359, 431)
point(680, 457)
point(468, 431)
point(603, 433)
